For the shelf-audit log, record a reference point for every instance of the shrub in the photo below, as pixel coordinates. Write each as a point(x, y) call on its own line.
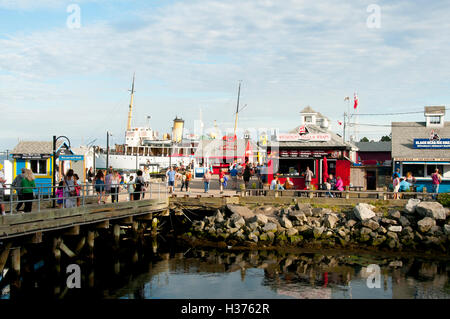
point(444, 199)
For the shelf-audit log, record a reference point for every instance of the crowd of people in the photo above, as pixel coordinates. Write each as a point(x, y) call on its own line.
point(406, 183)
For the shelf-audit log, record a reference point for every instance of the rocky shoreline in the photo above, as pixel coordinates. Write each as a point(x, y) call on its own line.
point(423, 226)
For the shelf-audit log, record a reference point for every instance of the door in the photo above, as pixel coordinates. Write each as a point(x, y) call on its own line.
point(371, 179)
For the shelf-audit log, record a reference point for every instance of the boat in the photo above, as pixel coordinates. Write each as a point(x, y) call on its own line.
point(144, 147)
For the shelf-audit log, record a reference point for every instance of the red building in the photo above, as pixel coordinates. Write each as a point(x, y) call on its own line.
point(289, 154)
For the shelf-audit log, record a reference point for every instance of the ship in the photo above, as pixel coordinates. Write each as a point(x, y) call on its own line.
point(144, 147)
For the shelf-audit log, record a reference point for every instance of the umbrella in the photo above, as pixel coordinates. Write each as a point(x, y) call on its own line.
point(248, 151)
point(325, 169)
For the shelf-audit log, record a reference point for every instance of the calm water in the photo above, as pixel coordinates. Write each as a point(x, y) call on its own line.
point(151, 271)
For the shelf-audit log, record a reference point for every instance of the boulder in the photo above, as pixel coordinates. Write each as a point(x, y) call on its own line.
point(431, 209)
point(298, 215)
point(239, 222)
point(404, 221)
point(411, 205)
point(395, 229)
point(425, 224)
point(270, 227)
point(392, 235)
point(388, 221)
point(363, 211)
point(219, 217)
point(331, 220)
point(199, 225)
point(260, 219)
point(271, 236)
point(291, 232)
point(351, 223)
point(317, 231)
point(371, 224)
point(253, 237)
point(242, 211)
point(436, 231)
point(253, 226)
point(365, 234)
point(447, 229)
point(382, 230)
point(285, 222)
point(395, 214)
point(232, 230)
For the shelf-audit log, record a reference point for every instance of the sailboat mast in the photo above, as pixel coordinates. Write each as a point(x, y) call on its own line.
point(130, 110)
point(237, 109)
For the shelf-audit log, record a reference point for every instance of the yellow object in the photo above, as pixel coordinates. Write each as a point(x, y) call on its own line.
point(130, 110)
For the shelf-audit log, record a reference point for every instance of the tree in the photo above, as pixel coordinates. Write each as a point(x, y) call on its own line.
point(386, 138)
point(364, 139)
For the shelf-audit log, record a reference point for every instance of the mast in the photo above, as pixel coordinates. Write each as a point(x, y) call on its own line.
point(237, 109)
point(130, 110)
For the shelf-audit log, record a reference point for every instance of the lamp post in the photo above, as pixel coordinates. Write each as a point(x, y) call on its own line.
point(107, 148)
point(55, 139)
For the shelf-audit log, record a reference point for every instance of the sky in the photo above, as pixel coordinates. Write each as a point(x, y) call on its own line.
point(61, 78)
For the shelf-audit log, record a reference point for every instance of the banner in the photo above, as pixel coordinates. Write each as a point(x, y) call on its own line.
point(423, 143)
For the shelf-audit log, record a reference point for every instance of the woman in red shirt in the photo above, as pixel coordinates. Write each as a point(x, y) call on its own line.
point(221, 180)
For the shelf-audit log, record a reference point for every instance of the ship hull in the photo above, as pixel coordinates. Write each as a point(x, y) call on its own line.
point(132, 162)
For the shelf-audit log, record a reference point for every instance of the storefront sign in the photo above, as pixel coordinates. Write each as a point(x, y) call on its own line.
point(305, 137)
point(423, 143)
point(31, 156)
point(71, 157)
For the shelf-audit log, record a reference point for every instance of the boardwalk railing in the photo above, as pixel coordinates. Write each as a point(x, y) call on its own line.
point(383, 195)
point(42, 195)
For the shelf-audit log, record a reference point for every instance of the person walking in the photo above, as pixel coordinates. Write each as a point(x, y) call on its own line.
point(77, 187)
point(183, 180)
point(90, 179)
point(60, 194)
point(2, 191)
point(138, 186)
point(70, 192)
point(188, 179)
point(99, 182)
point(339, 185)
point(247, 175)
point(108, 183)
point(234, 177)
point(115, 184)
point(17, 186)
point(436, 179)
point(221, 180)
point(207, 180)
point(308, 177)
point(28, 184)
point(396, 185)
point(171, 179)
point(130, 188)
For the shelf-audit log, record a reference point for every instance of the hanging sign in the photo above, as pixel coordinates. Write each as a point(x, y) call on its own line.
point(305, 138)
point(423, 143)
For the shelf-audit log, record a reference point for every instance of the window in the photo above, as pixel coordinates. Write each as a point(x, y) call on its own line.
point(431, 168)
point(417, 170)
point(296, 167)
point(38, 167)
point(435, 120)
point(308, 119)
point(331, 167)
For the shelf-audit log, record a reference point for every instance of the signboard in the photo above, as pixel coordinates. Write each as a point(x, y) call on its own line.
point(31, 156)
point(423, 143)
point(63, 150)
point(305, 138)
point(71, 157)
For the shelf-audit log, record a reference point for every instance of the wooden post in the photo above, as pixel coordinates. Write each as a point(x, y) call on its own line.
point(90, 241)
point(80, 245)
point(15, 256)
point(4, 257)
point(57, 254)
point(116, 233)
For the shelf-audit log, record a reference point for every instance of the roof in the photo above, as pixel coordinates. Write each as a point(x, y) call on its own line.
point(335, 142)
point(403, 135)
point(434, 109)
point(308, 109)
point(35, 147)
point(374, 146)
point(215, 148)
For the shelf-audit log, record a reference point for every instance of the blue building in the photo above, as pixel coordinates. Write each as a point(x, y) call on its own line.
point(37, 156)
point(421, 147)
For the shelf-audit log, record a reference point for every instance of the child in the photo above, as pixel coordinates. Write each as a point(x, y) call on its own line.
point(60, 194)
point(77, 187)
point(130, 186)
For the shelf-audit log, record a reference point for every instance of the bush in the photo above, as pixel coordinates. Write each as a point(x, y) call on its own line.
point(444, 199)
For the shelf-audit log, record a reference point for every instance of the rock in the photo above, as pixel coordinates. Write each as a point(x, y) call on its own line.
point(392, 235)
point(271, 236)
point(298, 215)
point(351, 223)
point(382, 230)
point(431, 209)
point(291, 232)
point(219, 216)
point(331, 220)
point(363, 211)
point(199, 226)
point(263, 237)
point(395, 214)
point(371, 224)
point(425, 224)
point(239, 222)
point(253, 237)
point(260, 219)
point(388, 221)
point(378, 241)
point(232, 230)
point(341, 233)
point(242, 211)
point(253, 226)
point(411, 205)
point(365, 232)
point(395, 229)
point(404, 221)
point(447, 229)
point(317, 231)
point(285, 222)
point(270, 227)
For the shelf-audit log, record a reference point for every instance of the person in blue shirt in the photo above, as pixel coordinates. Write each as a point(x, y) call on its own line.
point(404, 185)
point(234, 175)
point(171, 179)
point(397, 172)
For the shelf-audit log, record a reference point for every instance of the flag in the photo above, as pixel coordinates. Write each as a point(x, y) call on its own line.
point(356, 101)
point(339, 122)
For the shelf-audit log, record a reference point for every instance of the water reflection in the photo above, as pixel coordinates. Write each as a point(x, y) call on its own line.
point(217, 274)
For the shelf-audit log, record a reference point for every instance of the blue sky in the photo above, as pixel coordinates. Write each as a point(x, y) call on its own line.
point(189, 55)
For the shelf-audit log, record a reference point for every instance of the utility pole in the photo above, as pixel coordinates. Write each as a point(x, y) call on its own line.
point(107, 149)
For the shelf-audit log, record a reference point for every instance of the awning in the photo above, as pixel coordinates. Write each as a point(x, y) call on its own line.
point(432, 163)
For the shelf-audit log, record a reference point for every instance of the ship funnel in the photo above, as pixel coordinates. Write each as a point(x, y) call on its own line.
point(177, 130)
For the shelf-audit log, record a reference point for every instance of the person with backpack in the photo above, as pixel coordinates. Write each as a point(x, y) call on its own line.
point(70, 192)
point(138, 186)
point(28, 184)
point(16, 185)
